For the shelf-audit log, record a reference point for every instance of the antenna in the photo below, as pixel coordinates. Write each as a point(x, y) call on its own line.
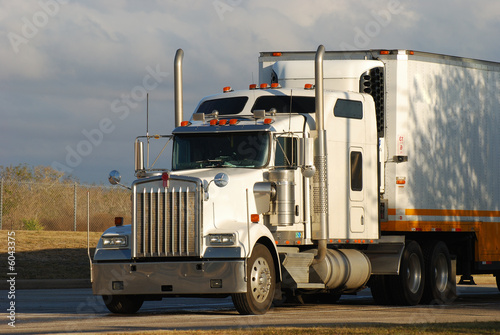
point(290, 113)
point(147, 128)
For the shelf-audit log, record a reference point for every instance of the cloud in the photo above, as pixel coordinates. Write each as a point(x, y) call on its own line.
point(78, 58)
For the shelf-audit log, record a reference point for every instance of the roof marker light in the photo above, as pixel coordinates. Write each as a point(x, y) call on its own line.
point(232, 122)
point(252, 86)
point(308, 86)
point(275, 85)
point(222, 122)
point(277, 54)
point(268, 121)
point(185, 123)
point(264, 86)
point(384, 52)
point(213, 122)
point(227, 89)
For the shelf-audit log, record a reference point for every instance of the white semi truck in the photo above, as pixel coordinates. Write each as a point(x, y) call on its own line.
point(342, 170)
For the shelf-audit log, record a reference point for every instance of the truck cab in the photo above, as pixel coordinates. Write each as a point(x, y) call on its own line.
point(241, 198)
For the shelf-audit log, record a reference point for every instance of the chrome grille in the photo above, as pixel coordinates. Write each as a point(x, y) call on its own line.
point(166, 222)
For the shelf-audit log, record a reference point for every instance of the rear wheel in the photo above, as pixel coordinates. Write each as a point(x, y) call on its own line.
point(407, 288)
point(438, 274)
point(123, 304)
point(261, 283)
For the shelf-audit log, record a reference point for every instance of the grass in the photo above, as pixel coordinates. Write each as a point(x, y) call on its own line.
point(438, 328)
point(49, 254)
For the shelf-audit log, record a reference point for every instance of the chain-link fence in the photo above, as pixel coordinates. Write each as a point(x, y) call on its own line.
point(61, 206)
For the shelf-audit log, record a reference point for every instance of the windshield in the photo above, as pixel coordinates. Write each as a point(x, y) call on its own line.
point(196, 151)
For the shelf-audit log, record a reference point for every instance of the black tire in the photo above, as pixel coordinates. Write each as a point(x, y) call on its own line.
point(439, 287)
point(381, 292)
point(261, 284)
point(123, 304)
point(408, 287)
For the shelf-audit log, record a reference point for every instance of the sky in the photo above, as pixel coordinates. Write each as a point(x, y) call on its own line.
point(73, 74)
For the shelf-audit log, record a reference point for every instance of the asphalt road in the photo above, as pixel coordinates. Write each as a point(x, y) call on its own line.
point(76, 310)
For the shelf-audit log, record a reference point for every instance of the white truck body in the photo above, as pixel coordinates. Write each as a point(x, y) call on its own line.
point(440, 112)
point(378, 176)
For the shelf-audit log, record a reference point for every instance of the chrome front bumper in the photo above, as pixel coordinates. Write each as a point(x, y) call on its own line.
point(176, 278)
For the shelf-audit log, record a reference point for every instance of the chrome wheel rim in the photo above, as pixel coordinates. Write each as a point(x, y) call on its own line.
point(441, 273)
point(260, 280)
point(414, 273)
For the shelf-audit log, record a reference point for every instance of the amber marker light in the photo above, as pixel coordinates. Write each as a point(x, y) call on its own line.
point(118, 221)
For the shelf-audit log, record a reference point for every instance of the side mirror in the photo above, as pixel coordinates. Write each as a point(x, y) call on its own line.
point(114, 177)
point(306, 156)
point(139, 156)
point(221, 179)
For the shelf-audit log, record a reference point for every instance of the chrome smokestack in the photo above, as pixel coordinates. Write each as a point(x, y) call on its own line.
point(320, 179)
point(178, 87)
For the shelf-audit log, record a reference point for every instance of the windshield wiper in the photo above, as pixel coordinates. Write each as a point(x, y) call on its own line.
point(210, 162)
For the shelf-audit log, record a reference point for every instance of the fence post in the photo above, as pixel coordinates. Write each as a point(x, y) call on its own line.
point(1, 202)
point(74, 221)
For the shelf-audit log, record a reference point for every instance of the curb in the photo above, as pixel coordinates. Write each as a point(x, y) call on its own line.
point(43, 284)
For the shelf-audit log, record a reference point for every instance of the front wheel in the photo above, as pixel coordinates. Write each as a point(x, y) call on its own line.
point(123, 304)
point(261, 283)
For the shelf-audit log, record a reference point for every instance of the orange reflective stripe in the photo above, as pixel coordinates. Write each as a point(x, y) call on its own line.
point(452, 212)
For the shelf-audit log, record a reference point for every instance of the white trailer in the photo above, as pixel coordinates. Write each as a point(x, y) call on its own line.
point(437, 120)
point(287, 188)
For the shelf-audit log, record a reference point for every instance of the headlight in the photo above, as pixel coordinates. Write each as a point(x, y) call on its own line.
point(115, 241)
point(222, 239)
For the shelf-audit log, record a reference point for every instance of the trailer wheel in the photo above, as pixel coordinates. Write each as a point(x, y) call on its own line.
point(438, 275)
point(123, 304)
point(408, 286)
point(261, 283)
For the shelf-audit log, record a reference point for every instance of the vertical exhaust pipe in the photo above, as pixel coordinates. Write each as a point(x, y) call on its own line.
point(321, 177)
point(178, 87)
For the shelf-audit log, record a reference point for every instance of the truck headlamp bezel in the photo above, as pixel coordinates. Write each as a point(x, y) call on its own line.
point(115, 242)
point(221, 239)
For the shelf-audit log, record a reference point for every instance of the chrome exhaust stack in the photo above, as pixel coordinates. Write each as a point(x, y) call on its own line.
point(178, 87)
point(320, 179)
